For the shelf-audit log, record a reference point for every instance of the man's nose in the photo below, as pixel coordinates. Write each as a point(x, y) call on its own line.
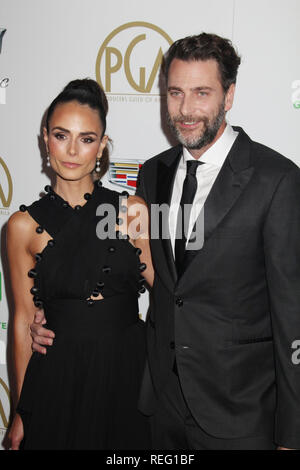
point(187, 105)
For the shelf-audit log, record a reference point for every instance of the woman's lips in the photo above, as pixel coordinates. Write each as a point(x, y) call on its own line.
point(71, 165)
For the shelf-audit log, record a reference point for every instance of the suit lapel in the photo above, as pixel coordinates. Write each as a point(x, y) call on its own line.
point(223, 195)
point(166, 171)
point(227, 188)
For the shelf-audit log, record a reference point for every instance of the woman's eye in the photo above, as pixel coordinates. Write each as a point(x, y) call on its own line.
point(59, 136)
point(88, 140)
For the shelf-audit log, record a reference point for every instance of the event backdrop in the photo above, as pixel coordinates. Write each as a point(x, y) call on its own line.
point(45, 44)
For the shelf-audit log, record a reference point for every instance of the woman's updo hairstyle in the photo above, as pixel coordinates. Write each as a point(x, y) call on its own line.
point(85, 91)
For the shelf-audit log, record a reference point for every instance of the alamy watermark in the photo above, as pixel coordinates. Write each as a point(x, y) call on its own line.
point(137, 221)
point(296, 353)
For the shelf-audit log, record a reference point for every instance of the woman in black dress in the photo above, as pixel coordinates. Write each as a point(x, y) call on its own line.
point(72, 255)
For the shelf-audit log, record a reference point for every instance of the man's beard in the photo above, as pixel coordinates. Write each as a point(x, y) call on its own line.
point(210, 129)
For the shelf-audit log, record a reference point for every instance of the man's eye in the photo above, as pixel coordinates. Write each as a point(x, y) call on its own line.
point(202, 93)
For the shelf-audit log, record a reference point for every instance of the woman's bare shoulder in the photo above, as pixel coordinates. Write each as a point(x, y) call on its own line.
point(20, 223)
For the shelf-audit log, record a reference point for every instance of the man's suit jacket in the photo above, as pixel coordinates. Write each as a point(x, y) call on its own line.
point(232, 317)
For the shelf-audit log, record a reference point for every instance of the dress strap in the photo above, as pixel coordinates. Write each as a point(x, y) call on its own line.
point(49, 215)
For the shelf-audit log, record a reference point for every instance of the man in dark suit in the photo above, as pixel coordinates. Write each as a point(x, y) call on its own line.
point(224, 317)
point(224, 322)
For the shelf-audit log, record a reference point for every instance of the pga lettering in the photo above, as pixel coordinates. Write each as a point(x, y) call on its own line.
point(117, 58)
point(142, 86)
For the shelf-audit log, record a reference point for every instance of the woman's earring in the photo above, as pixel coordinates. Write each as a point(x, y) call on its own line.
point(48, 160)
point(97, 167)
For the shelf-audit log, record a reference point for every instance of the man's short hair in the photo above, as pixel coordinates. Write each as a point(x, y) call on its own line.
point(204, 47)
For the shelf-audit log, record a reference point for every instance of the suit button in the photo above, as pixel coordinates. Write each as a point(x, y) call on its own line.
point(179, 302)
point(106, 269)
point(172, 344)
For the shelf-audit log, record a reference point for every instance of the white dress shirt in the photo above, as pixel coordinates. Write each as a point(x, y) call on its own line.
point(213, 160)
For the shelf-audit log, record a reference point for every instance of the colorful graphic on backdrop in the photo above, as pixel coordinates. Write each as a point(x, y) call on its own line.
point(126, 57)
point(124, 172)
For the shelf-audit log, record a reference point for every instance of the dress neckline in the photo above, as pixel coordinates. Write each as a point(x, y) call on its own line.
point(53, 196)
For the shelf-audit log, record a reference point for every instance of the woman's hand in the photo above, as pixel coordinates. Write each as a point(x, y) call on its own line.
point(16, 433)
point(137, 227)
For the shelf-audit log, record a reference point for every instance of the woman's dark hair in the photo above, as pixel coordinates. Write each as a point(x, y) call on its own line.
point(85, 91)
point(204, 47)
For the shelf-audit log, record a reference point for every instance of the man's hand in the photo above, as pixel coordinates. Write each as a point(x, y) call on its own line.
point(283, 448)
point(40, 335)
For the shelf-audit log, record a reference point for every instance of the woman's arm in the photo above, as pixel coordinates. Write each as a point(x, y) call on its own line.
point(19, 236)
point(145, 257)
point(138, 230)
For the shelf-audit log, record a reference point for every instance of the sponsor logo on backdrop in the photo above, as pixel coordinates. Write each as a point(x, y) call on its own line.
point(6, 188)
point(4, 406)
point(124, 172)
point(2, 32)
point(128, 62)
point(3, 81)
point(3, 85)
point(296, 94)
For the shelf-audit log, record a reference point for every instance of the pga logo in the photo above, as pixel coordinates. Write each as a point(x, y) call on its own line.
point(296, 94)
point(129, 59)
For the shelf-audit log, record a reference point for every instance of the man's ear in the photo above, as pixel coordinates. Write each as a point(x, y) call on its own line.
point(229, 97)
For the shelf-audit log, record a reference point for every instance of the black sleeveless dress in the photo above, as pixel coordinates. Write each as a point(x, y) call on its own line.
point(83, 393)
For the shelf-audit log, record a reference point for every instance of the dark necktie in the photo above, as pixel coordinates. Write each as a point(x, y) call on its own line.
point(188, 195)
